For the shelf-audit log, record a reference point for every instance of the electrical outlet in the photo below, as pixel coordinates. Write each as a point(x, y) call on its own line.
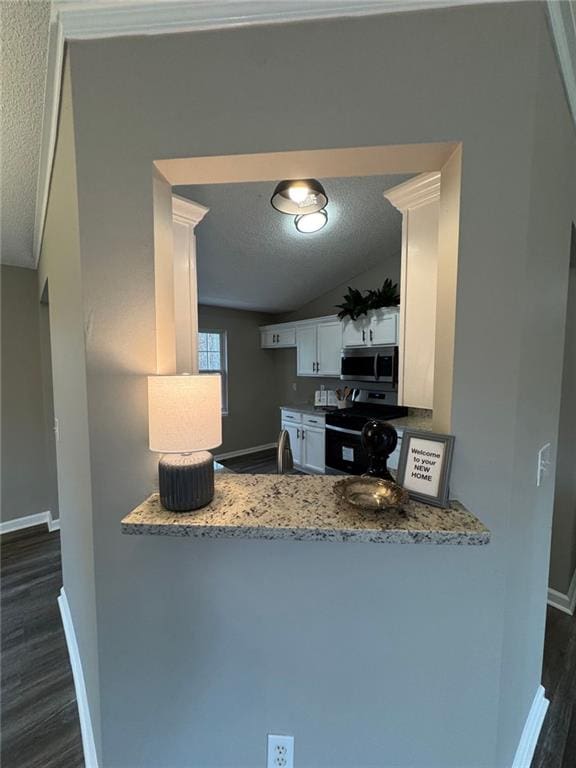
point(280, 751)
point(543, 463)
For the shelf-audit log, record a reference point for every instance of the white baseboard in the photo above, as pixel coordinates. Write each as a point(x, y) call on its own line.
point(531, 730)
point(88, 745)
point(245, 451)
point(562, 602)
point(30, 521)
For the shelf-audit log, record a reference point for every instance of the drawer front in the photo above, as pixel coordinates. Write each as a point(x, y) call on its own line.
point(313, 420)
point(292, 416)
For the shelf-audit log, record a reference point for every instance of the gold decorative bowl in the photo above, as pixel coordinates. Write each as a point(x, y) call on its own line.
point(371, 493)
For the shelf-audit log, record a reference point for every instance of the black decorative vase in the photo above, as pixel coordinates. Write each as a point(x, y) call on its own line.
point(379, 440)
point(186, 480)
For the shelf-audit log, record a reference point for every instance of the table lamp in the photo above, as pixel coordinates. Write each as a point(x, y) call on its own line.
point(184, 423)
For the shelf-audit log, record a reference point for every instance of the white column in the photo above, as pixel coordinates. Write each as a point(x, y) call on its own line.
point(186, 215)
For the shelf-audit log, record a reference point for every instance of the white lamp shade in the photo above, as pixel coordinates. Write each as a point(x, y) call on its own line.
point(184, 413)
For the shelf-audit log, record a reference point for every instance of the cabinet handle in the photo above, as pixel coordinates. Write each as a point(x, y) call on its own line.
point(317, 367)
point(275, 338)
point(303, 433)
point(297, 434)
point(370, 334)
point(363, 335)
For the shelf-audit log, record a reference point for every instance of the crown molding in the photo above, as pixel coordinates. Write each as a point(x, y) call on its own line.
point(421, 190)
point(187, 211)
point(89, 19)
point(93, 19)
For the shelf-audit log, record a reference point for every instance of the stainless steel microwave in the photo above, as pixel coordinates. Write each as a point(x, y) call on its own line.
point(379, 364)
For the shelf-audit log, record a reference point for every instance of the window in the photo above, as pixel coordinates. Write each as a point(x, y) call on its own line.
point(212, 358)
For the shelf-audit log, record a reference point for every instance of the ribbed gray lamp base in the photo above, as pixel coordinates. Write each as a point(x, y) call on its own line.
point(186, 480)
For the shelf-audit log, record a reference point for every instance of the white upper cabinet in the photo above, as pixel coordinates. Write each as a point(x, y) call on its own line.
point(383, 328)
point(318, 344)
point(277, 336)
point(419, 202)
point(377, 328)
point(354, 332)
point(306, 350)
point(319, 349)
point(329, 348)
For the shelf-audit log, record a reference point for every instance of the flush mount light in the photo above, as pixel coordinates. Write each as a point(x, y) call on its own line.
point(299, 196)
point(311, 222)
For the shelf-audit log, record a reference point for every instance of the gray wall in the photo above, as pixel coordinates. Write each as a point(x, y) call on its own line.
point(563, 554)
point(252, 418)
point(372, 278)
point(60, 267)
point(204, 647)
point(28, 470)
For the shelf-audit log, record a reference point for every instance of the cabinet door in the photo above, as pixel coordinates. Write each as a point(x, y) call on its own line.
point(286, 337)
point(306, 350)
point(329, 349)
point(313, 449)
point(267, 339)
point(383, 328)
point(354, 333)
point(295, 433)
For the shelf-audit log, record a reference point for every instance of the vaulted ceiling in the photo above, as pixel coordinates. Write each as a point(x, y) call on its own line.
point(250, 256)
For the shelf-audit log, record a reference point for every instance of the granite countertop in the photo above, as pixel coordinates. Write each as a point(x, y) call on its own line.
point(303, 509)
point(309, 408)
point(421, 421)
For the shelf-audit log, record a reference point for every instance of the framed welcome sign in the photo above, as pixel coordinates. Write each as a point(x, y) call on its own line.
point(424, 466)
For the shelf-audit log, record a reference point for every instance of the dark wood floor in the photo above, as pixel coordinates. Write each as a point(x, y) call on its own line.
point(557, 744)
point(261, 463)
point(39, 717)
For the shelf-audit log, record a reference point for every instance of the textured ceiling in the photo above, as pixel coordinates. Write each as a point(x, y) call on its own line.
point(252, 257)
point(24, 44)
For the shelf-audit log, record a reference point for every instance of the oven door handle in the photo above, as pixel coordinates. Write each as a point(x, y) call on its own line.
point(342, 429)
point(376, 376)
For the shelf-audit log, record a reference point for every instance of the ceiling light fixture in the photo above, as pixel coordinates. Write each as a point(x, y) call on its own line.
point(299, 197)
point(311, 222)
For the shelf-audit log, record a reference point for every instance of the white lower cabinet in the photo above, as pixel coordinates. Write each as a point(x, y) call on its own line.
point(313, 449)
point(307, 439)
point(295, 434)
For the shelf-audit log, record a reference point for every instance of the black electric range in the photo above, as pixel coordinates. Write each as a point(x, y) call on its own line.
point(344, 452)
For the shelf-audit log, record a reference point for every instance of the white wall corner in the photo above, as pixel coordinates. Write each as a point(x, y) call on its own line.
point(562, 16)
point(531, 730)
point(565, 603)
point(88, 744)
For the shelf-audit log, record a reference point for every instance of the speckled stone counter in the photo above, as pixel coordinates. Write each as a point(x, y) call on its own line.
point(303, 509)
point(309, 408)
